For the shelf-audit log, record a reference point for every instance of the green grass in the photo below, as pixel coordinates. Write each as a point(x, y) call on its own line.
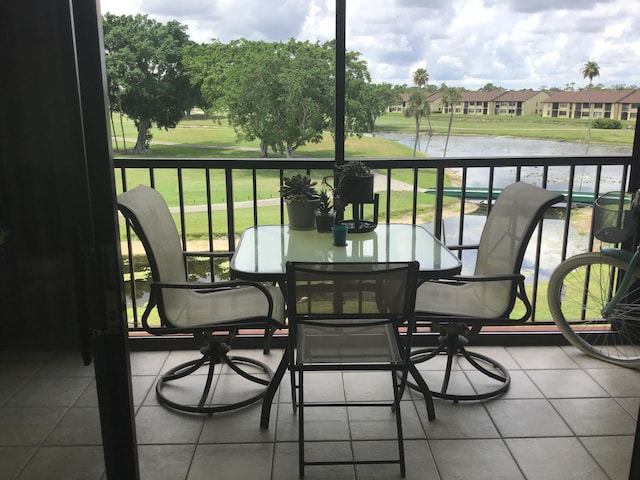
point(526, 127)
point(205, 138)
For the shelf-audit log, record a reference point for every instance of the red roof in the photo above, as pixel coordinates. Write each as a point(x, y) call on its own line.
point(593, 96)
point(517, 95)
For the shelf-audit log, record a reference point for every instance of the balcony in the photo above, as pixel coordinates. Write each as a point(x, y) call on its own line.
point(449, 196)
point(566, 416)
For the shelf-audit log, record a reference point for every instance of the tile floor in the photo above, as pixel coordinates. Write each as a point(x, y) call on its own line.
point(565, 417)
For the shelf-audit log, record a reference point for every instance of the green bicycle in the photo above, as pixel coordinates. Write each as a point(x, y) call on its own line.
point(594, 297)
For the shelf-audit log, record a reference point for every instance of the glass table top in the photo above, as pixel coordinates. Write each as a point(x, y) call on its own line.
point(263, 251)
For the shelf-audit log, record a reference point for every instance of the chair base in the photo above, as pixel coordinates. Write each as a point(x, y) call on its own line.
point(452, 344)
point(212, 355)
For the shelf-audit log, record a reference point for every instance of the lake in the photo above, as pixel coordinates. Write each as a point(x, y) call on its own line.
point(469, 146)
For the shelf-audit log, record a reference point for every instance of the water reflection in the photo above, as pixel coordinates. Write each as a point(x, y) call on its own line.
point(486, 146)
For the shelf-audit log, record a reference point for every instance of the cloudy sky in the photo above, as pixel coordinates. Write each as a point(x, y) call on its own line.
point(463, 43)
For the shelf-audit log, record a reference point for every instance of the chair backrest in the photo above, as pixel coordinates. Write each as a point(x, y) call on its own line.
point(151, 219)
point(352, 290)
point(509, 226)
point(504, 240)
point(364, 299)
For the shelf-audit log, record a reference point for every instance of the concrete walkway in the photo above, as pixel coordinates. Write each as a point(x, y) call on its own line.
point(380, 185)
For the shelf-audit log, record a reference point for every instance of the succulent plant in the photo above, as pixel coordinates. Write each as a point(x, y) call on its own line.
point(324, 205)
point(298, 188)
point(355, 168)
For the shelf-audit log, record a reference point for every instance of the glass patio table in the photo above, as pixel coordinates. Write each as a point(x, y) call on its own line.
point(263, 252)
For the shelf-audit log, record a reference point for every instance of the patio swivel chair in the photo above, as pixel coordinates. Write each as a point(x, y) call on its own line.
point(348, 317)
point(212, 313)
point(458, 308)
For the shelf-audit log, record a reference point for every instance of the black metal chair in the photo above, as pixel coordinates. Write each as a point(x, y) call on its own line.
point(212, 312)
point(458, 308)
point(348, 317)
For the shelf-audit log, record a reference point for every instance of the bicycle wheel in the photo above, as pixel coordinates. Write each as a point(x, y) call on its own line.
point(579, 289)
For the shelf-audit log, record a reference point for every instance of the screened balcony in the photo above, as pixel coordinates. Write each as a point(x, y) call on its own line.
point(450, 197)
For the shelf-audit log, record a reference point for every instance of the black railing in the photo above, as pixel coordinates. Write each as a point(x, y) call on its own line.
point(454, 213)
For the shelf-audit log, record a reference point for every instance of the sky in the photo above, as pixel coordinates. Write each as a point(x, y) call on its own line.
point(514, 44)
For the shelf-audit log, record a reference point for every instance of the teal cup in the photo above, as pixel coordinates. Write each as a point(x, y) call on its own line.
point(339, 235)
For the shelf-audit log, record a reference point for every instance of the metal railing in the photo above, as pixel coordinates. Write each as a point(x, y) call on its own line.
point(450, 196)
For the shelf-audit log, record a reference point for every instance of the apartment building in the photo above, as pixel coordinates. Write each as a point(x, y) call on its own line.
point(615, 104)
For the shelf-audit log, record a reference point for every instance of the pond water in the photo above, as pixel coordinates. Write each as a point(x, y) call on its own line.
point(487, 146)
point(469, 146)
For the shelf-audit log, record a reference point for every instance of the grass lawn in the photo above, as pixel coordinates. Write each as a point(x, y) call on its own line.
point(200, 137)
point(569, 130)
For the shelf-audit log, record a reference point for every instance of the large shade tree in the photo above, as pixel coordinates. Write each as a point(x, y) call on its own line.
point(145, 75)
point(590, 70)
point(281, 93)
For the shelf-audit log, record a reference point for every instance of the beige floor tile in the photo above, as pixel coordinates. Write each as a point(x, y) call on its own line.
point(541, 358)
point(561, 458)
point(79, 426)
point(70, 463)
point(13, 459)
point(619, 382)
point(613, 454)
point(157, 425)
point(527, 418)
point(566, 384)
point(595, 416)
point(474, 459)
point(247, 460)
point(164, 462)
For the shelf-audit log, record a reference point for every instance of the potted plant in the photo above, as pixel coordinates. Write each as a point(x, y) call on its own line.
point(301, 197)
point(355, 183)
point(325, 216)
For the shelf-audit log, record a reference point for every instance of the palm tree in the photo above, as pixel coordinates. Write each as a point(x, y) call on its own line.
point(420, 77)
point(417, 107)
point(450, 97)
point(590, 70)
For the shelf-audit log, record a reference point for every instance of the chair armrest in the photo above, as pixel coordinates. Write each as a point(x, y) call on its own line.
point(517, 277)
point(205, 287)
point(462, 247)
point(208, 254)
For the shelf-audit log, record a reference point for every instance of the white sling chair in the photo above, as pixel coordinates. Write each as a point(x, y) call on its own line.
point(458, 308)
point(212, 312)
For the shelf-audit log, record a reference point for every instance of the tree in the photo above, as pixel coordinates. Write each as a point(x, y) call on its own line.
point(417, 107)
point(145, 75)
point(420, 77)
point(450, 97)
point(277, 92)
point(490, 87)
point(590, 70)
point(283, 93)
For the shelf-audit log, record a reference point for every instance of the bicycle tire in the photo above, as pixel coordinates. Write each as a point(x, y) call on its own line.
point(579, 288)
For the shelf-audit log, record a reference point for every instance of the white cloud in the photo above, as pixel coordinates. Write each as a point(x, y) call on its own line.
point(510, 43)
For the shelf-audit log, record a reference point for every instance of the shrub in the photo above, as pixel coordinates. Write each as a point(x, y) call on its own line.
point(607, 123)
